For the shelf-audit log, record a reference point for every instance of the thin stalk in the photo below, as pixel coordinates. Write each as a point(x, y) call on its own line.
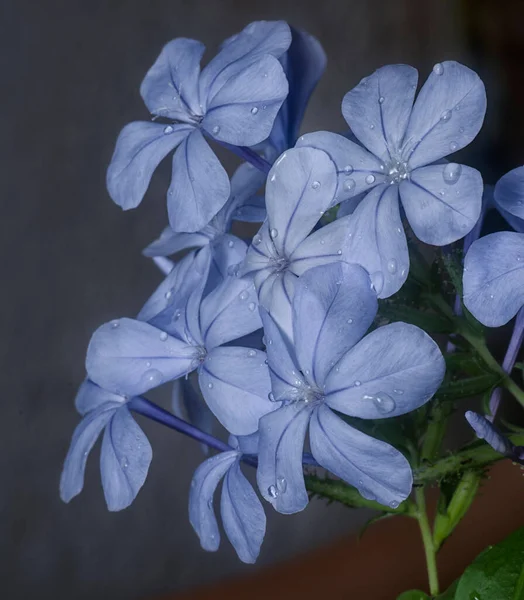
point(427, 540)
point(509, 360)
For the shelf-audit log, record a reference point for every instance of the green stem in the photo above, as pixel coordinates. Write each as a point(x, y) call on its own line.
point(427, 540)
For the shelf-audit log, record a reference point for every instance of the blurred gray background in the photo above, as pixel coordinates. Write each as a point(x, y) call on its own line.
point(70, 260)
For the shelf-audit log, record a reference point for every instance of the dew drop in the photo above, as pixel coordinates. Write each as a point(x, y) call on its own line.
point(273, 177)
point(163, 336)
point(399, 392)
point(365, 493)
point(152, 377)
point(257, 239)
point(349, 185)
point(339, 252)
point(377, 281)
point(392, 266)
point(168, 130)
point(272, 491)
point(315, 185)
point(322, 242)
point(254, 110)
point(381, 100)
point(231, 243)
point(273, 233)
point(115, 324)
point(251, 306)
point(370, 179)
point(461, 130)
point(176, 316)
point(491, 296)
point(216, 129)
point(271, 397)
point(358, 383)
point(349, 321)
point(251, 353)
point(148, 364)
point(451, 173)
point(438, 69)
point(281, 484)
point(445, 116)
point(348, 169)
point(393, 504)
point(210, 386)
point(372, 126)
point(382, 401)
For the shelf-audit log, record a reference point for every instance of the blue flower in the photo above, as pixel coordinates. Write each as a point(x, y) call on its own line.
point(401, 142)
point(391, 371)
point(494, 265)
point(125, 455)
point(485, 430)
point(242, 513)
point(243, 204)
point(300, 188)
point(178, 331)
point(233, 100)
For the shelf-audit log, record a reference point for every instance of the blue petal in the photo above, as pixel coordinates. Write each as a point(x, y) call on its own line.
point(229, 312)
point(227, 251)
point(171, 242)
point(90, 396)
point(276, 296)
point(304, 63)
point(188, 403)
point(509, 197)
point(243, 516)
point(124, 460)
point(243, 111)
point(357, 169)
point(248, 444)
point(182, 298)
point(322, 247)
point(447, 115)
point(376, 240)
point(279, 475)
point(235, 384)
point(300, 188)
point(84, 438)
point(170, 88)
point(255, 40)
point(392, 371)
point(494, 278)
point(199, 185)
point(203, 486)
point(333, 308)
point(485, 430)
point(260, 255)
point(439, 211)
point(130, 357)
point(378, 109)
point(283, 368)
point(244, 204)
point(139, 149)
point(376, 469)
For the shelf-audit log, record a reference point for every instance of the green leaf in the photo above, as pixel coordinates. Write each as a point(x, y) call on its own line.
point(453, 265)
point(464, 362)
point(414, 595)
point(429, 322)
point(449, 594)
point(467, 388)
point(497, 573)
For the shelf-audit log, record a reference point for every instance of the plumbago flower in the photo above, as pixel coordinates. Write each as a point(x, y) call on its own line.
point(330, 367)
point(300, 188)
point(485, 430)
point(244, 204)
point(401, 143)
point(126, 453)
point(494, 265)
point(242, 513)
point(234, 100)
point(179, 332)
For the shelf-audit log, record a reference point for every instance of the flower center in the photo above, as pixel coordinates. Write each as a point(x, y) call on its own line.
point(396, 171)
point(279, 263)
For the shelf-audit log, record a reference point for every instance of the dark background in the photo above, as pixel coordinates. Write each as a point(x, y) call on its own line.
point(70, 259)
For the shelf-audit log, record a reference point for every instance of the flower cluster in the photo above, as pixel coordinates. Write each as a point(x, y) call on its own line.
point(269, 337)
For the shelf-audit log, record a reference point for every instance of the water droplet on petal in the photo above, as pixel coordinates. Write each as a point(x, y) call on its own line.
point(453, 146)
point(176, 316)
point(272, 491)
point(358, 383)
point(393, 504)
point(339, 252)
point(231, 243)
point(163, 336)
point(348, 169)
point(399, 392)
point(153, 377)
point(349, 185)
point(372, 126)
point(254, 110)
point(381, 99)
point(445, 116)
point(148, 364)
point(370, 179)
point(438, 69)
point(251, 353)
point(216, 129)
point(115, 324)
point(377, 281)
point(273, 233)
point(257, 239)
point(210, 386)
point(392, 266)
point(251, 306)
point(382, 401)
point(462, 128)
point(281, 484)
point(349, 321)
point(272, 178)
point(271, 397)
point(168, 130)
point(243, 295)
point(315, 185)
point(451, 173)
point(365, 493)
